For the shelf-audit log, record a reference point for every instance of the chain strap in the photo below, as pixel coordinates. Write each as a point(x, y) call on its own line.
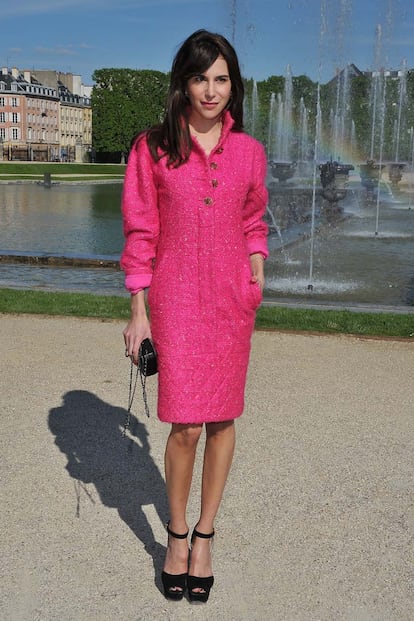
point(143, 377)
point(132, 388)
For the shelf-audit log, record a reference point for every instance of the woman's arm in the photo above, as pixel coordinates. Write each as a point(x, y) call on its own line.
point(257, 265)
point(141, 230)
point(140, 218)
point(138, 326)
point(255, 228)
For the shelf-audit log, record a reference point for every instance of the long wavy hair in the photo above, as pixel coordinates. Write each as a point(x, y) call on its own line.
point(172, 138)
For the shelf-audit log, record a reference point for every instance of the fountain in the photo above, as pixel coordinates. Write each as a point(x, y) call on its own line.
point(282, 170)
point(334, 178)
point(304, 153)
point(370, 173)
point(395, 172)
point(396, 167)
point(328, 243)
point(280, 132)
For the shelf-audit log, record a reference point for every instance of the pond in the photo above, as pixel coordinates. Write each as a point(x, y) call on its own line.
point(81, 220)
point(351, 264)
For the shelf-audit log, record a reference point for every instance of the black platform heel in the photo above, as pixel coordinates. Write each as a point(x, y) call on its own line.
point(194, 582)
point(174, 584)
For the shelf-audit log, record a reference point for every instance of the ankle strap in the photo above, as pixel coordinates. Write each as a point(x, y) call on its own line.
point(196, 533)
point(175, 535)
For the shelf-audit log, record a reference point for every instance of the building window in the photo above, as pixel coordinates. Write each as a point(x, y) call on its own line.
point(15, 133)
point(2, 117)
point(15, 117)
point(14, 102)
point(2, 101)
point(2, 133)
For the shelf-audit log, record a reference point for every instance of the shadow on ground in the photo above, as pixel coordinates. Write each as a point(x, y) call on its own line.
point(89, 432)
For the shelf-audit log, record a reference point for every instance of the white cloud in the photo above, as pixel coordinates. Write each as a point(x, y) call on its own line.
point(59, 50)
point(33, 7)
point(38, 7)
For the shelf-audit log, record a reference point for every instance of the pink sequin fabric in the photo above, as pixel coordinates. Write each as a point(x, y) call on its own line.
point(189, 233)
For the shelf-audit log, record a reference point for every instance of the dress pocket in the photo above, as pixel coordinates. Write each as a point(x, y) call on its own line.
point(256, 294)
point(252, 292)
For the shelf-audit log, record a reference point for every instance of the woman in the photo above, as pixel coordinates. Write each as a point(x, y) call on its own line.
point(193, 201)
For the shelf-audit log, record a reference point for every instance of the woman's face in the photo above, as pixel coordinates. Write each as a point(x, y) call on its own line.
point(210, 92)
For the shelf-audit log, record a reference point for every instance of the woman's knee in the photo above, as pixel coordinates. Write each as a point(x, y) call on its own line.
point(186, 436)
point(219, 429)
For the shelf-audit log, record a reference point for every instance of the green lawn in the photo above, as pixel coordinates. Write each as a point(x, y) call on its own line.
point(393, 325)
point(111, 307)
point(60, 179)
point(59, 168)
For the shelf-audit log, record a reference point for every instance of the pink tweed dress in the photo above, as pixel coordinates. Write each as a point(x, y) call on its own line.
point(189, 232)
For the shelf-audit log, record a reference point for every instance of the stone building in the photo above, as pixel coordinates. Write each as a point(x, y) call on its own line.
point(44, 116)
point(75, 114)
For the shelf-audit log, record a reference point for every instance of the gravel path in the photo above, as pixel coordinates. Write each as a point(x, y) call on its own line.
point(317, 523)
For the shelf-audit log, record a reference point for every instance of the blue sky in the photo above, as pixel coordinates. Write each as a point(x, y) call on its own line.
point(314, 37)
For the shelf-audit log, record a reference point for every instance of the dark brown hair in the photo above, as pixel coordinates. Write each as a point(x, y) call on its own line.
point(194, 57)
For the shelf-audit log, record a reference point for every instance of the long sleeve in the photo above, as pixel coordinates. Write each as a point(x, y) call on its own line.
point(255, 229)
point(140, 218)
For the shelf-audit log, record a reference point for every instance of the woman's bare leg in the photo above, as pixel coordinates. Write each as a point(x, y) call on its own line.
point(180, 455)
point(218, 456)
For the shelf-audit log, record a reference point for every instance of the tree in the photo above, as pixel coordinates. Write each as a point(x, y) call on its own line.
point(125, 102)
point(361, 113)
point(302, 87)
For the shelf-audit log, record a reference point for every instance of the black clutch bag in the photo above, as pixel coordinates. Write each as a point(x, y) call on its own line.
point(147, 365)
point(147, 358)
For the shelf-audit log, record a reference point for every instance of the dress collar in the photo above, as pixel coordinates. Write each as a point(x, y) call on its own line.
point(227, 125)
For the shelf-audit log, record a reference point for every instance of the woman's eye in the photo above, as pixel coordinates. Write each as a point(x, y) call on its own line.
point(199, 78)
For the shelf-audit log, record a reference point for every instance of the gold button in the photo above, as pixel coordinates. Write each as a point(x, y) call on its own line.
point(219, 150)
point(208, 200)
point(213, 165)
point(214, 183)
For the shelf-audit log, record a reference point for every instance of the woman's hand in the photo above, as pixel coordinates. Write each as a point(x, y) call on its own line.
point(257, 265)
point(138, 327)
